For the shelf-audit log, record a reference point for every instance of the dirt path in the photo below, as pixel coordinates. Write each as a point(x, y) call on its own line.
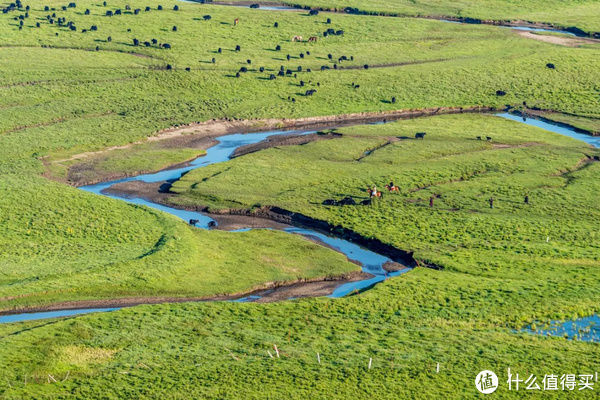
point(559, 40)
point(285, 140)
point(268, 292)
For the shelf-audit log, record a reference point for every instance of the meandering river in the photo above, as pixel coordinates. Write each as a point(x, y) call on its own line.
point(371, 262)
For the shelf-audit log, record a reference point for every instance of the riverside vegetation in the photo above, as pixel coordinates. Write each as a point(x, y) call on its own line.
point(92, 90)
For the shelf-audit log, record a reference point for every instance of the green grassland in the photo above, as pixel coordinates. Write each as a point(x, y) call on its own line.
point(131, 160)
point(74, 99)
point(117, 250)
point(581, 14)
point(59, 97)
point(506, 244)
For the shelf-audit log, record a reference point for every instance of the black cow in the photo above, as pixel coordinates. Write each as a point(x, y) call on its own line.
point(420, 135)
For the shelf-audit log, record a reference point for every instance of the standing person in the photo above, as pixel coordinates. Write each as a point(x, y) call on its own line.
point(431, 201)
point(491, 200)
point(526, 199)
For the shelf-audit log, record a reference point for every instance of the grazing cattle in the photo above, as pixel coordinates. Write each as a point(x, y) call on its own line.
point(271, 77)
point(297, 39)
point(489, 139)
point(310, 92)
point(310, 40)
point(500, 93)
point(313, 12)
point(255, 5)
point(420, 135)
point(478, 137)
point(193, 221)
point(277, 48)
point(236, 21)
point(276, 24)
point(393, 100)
point(550, 65)
point(347, 201)
point(207, 17)
point(212, 224)
point(238, 48)
point(262, 69)
point(301, 83)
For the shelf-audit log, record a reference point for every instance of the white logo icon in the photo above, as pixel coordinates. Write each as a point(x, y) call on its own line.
point(486, 382)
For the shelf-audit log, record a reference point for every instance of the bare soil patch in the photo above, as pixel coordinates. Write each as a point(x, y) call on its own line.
point(559, 40)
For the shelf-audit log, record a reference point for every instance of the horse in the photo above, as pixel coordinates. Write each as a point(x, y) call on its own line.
point(392, 188)
point(236, 21)
point(371, 194)
point(297, 39)
point(312, 39)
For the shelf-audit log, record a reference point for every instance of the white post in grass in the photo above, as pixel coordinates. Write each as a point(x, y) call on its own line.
point(276, 350)
point(437, 368)
point(319, 358)
point(370, 362)
point(270, 355)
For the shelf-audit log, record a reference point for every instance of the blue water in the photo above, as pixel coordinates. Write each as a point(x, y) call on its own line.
point(556, 128)
point(4, 319)
point(267, 8)
point(525, 28)
point(519, 28)
point(371, 262)
point(221, 152)
point(586, 329)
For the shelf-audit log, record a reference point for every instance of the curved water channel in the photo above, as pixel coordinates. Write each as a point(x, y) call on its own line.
point(371, 262)
point(283, 7)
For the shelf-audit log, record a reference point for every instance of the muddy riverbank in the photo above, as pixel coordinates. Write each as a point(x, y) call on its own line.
point(265, 293)
point(203, 135)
